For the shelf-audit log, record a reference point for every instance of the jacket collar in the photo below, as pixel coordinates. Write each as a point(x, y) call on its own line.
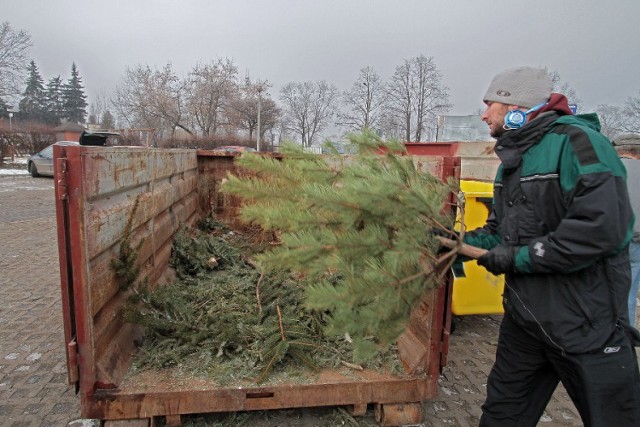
point(510, 147)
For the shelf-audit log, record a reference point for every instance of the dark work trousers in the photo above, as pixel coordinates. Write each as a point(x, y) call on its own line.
point(604, 385)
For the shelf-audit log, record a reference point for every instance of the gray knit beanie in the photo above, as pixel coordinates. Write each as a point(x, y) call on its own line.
point(522, 86)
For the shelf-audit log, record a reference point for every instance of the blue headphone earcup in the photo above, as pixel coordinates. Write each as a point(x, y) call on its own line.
point(515, 119)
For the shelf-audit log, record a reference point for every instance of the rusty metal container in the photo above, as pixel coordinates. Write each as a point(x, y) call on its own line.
point(97, 190)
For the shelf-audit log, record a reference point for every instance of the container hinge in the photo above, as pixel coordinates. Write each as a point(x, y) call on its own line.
point(72, 353)
point(61, 175)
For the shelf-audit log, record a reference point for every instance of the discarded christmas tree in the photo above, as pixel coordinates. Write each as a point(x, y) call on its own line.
point(213, 321)
point(358, 232)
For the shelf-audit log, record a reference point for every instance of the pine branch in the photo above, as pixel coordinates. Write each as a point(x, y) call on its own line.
point(356, 229)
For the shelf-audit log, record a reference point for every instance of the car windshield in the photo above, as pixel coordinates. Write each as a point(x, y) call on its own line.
point(47, 152)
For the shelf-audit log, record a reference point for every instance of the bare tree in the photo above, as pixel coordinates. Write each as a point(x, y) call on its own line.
point(415, 97)
point(631, 113)
point(152, 99)
point(97, 108)
point(308, 108)
point(565, 89)
point(616, 120)
point(212, 89)
point(364, 102)
point(14, 46)
point(390, 125)
point(245, 108)
point(611, 120)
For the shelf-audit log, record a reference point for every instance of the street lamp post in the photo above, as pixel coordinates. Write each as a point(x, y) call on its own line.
point(10, 125)
point(259, 89)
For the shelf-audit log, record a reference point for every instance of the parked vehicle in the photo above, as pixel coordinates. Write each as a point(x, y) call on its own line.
point(101, 138)
point(41, 163)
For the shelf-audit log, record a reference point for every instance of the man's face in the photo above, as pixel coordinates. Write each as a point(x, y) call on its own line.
point(494, 116)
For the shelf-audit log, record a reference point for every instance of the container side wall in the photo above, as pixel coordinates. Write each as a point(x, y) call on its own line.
point(120, 195)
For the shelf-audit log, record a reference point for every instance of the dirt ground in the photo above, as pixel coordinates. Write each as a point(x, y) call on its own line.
point(33, 389)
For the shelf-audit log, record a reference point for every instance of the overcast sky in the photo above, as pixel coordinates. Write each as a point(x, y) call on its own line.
point(593, 44)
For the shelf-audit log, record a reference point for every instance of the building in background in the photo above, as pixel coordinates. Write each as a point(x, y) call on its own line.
point(462, 129)
point(69, 131)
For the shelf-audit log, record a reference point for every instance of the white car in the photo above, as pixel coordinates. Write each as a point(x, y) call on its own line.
point(41, 163)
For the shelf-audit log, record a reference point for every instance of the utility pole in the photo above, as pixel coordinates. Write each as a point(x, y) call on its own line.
point(259, 88)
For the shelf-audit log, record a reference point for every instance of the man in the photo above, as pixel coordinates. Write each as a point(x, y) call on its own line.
point(628, 147)
point(559, 230)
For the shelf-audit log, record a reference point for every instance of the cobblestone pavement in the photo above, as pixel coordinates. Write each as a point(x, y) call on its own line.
point(33, 388)
point(33, 373)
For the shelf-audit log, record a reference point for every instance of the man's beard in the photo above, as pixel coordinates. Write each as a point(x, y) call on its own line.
point(497, 132)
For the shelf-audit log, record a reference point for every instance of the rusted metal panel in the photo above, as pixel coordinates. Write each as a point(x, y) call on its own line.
point(440, 149)
point(359, 410)
point(452, 170)
point(154, 234)
point(213, 169)
point(101, 190)
point(64, 259)
point(393, 415)
point(73, 270)
point(430, 164)
point(117, 168)
point(112, 364)
point(109, 216)
point(414, 345)
point(478, 160)
point(162, 397)
point(128, 423)
point(423, 346)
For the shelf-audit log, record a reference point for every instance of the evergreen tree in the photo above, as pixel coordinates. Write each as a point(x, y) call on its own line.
point(108, 121)
point(357, 232)
point(55, 101)
point(33, 103)
point(75, 103)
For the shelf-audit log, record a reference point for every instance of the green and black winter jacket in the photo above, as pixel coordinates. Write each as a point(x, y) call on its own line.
point(560, 197)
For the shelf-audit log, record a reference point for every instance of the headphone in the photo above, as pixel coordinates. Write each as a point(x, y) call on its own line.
point(515, 119)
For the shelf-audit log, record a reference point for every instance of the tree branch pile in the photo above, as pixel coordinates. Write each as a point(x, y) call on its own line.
point(228, 321)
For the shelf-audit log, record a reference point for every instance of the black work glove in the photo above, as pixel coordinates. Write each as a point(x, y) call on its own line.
point(499, 260)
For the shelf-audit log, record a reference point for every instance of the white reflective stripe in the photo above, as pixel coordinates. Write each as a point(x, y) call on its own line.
point(539, 177)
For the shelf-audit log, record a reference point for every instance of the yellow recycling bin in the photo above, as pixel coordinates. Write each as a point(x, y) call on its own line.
point(479, 292)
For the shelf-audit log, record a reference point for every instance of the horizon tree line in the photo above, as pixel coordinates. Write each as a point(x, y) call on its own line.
point(213, 100)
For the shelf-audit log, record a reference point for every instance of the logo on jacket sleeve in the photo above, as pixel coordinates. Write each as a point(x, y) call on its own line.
point(539, 249)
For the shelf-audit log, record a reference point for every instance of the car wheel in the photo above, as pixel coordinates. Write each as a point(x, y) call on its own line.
point(33, 170)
